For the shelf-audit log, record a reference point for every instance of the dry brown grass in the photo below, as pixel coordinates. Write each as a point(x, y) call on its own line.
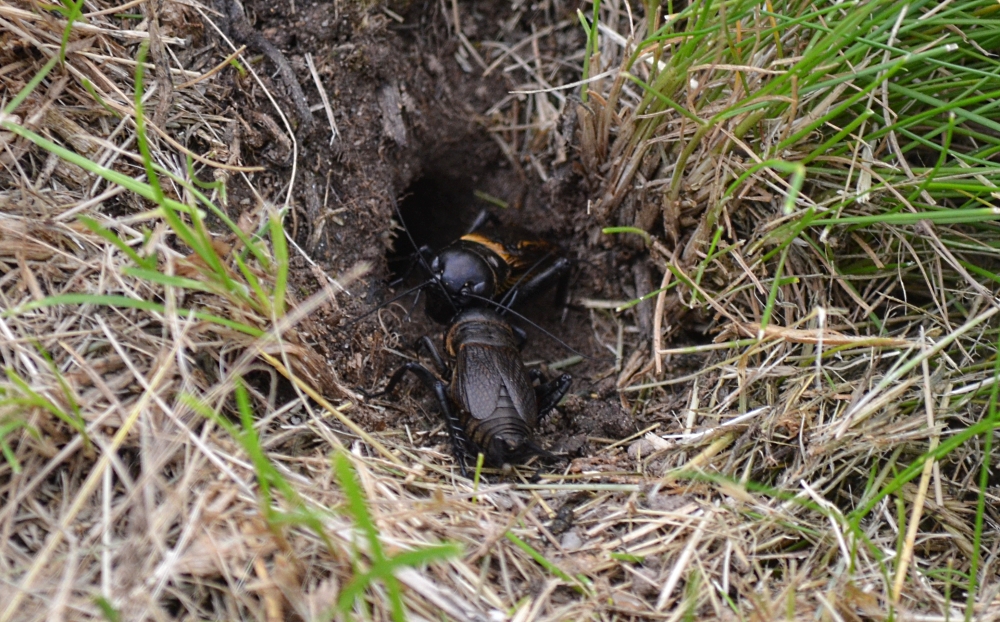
point(737, 507)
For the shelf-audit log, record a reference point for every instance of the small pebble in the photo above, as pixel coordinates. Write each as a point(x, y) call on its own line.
point(570, 541)
point(641, 448)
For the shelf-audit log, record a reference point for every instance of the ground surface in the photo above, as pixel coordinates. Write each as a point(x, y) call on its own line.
point(796, 424)
point(414, 124)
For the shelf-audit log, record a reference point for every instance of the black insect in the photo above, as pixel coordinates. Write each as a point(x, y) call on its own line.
point(491, 403)
point(563, 519)
point(490, 266)
point(504, 265)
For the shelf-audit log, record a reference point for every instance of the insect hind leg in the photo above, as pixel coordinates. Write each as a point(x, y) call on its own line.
point(415, 368)
point(428, 345)
point(455, 432)
point(550, 393)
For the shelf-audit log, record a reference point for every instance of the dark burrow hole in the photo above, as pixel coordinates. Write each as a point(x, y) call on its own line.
point(437, 209)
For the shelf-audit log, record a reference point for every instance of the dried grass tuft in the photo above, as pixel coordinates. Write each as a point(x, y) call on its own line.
point(841, 360)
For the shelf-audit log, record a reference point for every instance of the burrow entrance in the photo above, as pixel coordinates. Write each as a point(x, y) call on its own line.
point(436, 209)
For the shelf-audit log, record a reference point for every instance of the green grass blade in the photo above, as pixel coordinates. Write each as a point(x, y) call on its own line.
point(28, 89)
point(112, 300)
point(578, 585)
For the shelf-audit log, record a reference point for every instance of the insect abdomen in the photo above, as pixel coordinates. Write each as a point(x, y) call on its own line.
point(504, 420)
point(503, 435)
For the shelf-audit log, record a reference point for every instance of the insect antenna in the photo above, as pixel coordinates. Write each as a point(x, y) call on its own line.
point(423, 261)
point(504, 309)
point(387, 303)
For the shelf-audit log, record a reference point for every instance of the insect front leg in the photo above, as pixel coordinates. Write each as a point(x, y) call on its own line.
point(484, 216)
point(456, 434)
point(421, 257)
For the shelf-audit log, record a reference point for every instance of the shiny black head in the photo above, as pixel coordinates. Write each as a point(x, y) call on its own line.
point(462, 273)
point(459, 274)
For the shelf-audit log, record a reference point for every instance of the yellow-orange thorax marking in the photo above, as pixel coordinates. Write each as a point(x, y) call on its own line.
point(493, 245)
point(515, 259)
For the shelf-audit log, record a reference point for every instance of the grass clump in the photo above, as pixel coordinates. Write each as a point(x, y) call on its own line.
point(820, 180)
point(160, 302)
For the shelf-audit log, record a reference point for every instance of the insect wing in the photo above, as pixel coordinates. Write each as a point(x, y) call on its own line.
point(486, 377)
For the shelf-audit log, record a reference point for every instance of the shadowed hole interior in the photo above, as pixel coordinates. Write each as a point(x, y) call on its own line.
point(437, 209)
